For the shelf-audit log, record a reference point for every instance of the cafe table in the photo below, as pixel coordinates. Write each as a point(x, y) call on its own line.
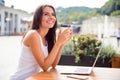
point(98, 73)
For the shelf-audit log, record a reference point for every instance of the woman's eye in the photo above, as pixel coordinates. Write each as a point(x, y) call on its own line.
point(46, 14)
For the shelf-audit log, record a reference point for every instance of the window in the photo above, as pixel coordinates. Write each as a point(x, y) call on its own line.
point(16, 23)
point(6, 16)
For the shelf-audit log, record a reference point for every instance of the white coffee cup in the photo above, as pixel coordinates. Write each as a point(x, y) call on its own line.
point(64, 27)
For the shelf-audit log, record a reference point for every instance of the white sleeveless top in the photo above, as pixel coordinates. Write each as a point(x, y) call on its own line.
point(27, 65)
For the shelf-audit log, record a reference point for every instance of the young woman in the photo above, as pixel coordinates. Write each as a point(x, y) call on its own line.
point(40, 49)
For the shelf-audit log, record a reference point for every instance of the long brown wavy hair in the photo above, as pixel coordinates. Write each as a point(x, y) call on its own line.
point(51, 35)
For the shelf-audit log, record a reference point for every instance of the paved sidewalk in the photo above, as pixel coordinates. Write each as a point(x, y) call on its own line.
point(9, 53)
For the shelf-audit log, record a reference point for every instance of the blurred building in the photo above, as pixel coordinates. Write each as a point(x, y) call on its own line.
point(12, 21)
point(76, 29)
point(101, 26)
point(2, 2)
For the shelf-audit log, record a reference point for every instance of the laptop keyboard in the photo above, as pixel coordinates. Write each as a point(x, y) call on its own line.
point(82, 70)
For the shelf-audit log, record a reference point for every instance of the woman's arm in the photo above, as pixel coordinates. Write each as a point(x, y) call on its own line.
point(57, 59)
point(38, 53)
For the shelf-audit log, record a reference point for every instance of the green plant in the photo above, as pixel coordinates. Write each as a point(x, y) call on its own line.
point(85, 45)
point(117, 55)
point(108, 51)
point(68, 48)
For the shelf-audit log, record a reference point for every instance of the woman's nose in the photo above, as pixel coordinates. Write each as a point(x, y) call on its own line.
point(51, 16)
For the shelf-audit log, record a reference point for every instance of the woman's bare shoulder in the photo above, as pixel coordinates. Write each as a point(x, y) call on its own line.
point(32, 33)
point(30, 36)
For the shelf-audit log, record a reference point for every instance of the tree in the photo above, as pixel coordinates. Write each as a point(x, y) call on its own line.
point(110, 6)
point(77, 14)
point(115, 13)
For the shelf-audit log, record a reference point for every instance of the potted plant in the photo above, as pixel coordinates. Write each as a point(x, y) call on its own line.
point(89, 46)
point(85, 45)
point(108, 51)
point(107, 54)
point(78, 47)
point(82, 51)
point(116, 61)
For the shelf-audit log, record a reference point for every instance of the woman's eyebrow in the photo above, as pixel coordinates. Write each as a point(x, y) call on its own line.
point(47, 12)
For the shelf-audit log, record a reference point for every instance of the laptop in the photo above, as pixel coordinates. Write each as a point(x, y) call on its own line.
point(81, 70)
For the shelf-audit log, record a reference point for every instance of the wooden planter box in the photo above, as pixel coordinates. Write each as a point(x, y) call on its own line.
point(116, 62)
point(84, 61)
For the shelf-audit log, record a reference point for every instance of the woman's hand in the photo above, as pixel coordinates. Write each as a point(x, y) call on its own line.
point(65, 36)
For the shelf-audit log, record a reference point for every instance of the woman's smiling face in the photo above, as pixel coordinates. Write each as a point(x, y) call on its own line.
point(48, 17)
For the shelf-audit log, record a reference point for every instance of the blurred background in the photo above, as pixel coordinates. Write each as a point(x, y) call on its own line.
point(97, 17)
